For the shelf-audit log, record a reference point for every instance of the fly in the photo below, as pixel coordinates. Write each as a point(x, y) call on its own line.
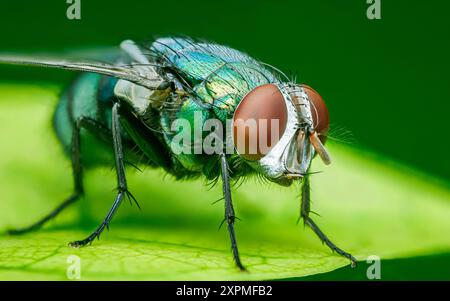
point(131, 103)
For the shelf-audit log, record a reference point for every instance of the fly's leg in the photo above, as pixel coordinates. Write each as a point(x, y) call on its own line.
point(121, 179)
point(229, 211)
point(77, 171)
point(304, 213)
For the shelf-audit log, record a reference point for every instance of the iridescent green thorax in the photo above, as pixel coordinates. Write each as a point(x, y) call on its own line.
point(212, 79)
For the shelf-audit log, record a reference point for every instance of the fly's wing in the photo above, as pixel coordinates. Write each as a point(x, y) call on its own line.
point(138, 96)
point(138, 78)
point(214, 73)
point(129, 73)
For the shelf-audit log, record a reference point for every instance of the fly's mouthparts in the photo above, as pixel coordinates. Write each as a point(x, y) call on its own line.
point(320, 148)
point(293, 176)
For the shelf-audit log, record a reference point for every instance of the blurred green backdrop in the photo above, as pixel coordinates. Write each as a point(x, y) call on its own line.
point(384, 80)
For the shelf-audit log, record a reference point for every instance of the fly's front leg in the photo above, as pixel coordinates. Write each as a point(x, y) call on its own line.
point(304, 213)
point(229, 210)
point(121, 179)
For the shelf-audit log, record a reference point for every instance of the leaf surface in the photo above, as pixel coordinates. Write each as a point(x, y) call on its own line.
point(368, 205)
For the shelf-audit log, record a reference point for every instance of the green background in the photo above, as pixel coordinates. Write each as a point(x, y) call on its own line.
point(386, 81)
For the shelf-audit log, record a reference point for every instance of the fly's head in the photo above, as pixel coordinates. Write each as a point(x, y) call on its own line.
point(278, 129)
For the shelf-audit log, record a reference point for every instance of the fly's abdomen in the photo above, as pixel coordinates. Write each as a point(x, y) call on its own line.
point(82, 100)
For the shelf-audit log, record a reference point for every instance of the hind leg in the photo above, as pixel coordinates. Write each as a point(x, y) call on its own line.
point(78, 187)
point(100, 132)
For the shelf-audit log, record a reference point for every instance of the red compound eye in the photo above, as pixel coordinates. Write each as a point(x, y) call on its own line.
point(259, 121)
point(319, 112)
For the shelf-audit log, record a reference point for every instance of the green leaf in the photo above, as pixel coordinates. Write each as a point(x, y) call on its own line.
point(368, 205)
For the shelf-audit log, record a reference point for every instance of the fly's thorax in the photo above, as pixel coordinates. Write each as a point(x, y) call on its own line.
point(183, 122)
point(291, 153)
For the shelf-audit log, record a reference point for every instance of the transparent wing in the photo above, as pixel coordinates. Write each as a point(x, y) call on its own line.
point(135, 70)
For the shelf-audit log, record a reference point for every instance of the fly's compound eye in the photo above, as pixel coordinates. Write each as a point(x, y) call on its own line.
point(319, 112)
point(259, 122)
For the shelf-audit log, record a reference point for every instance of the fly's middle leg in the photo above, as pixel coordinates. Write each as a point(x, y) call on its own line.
point(304, 214)
point(229, 211)
point(121, 180)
